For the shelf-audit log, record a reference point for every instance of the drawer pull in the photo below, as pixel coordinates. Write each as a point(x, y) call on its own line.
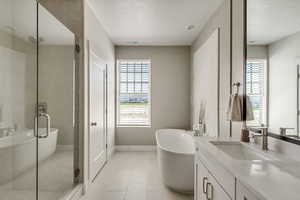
point(204, 185)
point(211, 190)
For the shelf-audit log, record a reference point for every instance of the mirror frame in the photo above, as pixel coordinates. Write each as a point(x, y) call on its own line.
point(273, 135)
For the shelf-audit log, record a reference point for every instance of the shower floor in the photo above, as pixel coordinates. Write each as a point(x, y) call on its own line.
point(55, 180)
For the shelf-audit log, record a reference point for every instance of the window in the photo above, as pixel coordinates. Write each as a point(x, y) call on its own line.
point(256, 74)
point(134, 104)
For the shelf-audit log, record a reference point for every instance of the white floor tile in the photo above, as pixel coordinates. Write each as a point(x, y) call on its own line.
point(55, 180)
point(132, 176)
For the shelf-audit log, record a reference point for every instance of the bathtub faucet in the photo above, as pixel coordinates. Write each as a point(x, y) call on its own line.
point(199, 129)
point(7, 131)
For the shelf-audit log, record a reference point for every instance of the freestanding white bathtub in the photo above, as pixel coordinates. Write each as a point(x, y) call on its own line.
point(176, 151)
point(18, 152)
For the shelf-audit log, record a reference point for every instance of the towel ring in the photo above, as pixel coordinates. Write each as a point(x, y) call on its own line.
point(237, 86)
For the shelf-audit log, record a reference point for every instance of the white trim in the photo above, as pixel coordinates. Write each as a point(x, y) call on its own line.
point(265, 95)
point(141, 148)
point(134, 126)
point(75, 194)
point(102, 61)
point(118, 124)
point(110, 152)
point(64, 147)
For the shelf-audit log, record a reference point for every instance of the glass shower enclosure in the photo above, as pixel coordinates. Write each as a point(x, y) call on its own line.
point(36, 103)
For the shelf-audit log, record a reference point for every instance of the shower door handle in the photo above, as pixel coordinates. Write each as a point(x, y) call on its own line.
point(48, 127)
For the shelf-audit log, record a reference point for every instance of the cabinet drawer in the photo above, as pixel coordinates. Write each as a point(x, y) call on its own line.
point(215, 191)
point(223, 176)
point(242, 193)
point(201, 177)
point(206, 186)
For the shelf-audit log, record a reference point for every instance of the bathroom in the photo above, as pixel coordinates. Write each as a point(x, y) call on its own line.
point(149, 100)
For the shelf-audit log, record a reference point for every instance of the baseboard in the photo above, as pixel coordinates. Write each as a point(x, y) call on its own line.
point(144, 148)
point(110, 152)
point(75, 194)
point(64, 147)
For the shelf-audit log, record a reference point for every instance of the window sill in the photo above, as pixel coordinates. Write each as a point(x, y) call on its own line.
point(133, 126)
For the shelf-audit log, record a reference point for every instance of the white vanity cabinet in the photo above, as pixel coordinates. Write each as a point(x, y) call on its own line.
point(201, 178)
point(242, 193)
point(213, 182)
point(206, 186)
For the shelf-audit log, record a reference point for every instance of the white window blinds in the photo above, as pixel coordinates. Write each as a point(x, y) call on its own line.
point(134, 92)
point(256, 89)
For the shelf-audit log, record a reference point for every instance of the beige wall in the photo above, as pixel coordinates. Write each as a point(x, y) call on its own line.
point(71, 14)
point(257, 52)
point(170, 94)
point(22, 55)
point(238, 54)
point(56, 73)
point(284, 55)
point(231, 67)
point(205, 87)
point(221, 20)
point(77, 15)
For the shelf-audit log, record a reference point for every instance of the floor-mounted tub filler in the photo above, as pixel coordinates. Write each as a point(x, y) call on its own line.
point(176, 151)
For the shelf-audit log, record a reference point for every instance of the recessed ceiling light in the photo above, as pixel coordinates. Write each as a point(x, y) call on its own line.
point(190, 27)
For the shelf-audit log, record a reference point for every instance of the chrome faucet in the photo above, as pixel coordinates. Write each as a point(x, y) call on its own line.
point(264, 134)
point(199, 129)
point(283, 130)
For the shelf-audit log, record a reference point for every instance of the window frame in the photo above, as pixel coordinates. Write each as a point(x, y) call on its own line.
point(118, 124)
point(265, 120)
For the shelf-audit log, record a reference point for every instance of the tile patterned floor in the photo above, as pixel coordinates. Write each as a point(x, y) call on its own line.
point(56, 179)
point(131, 176)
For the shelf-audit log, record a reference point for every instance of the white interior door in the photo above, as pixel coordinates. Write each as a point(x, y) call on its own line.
point(97, 129)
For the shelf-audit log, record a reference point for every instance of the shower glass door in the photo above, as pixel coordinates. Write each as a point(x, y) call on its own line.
point(18, 99)
point(55, 119)
point(36, 103)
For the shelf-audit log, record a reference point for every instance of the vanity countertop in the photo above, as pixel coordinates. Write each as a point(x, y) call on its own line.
point(277, 178)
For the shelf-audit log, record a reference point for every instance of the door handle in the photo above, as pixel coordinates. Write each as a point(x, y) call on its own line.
point(211, 196)
point(204, 185)
point(48, 126)
point(94, 124)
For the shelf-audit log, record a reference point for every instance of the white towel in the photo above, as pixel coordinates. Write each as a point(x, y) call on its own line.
point(234, 111)
point(235, 108)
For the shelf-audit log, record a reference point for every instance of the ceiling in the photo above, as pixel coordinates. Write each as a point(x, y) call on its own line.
point(272, 20)
point(19, 18)
point(153, 22)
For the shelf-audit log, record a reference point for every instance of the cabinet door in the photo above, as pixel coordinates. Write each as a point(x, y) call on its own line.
point(200, 181)
point(242, 193)
point(215, 191)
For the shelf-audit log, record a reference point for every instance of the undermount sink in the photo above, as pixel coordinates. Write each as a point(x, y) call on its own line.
point(238, 151)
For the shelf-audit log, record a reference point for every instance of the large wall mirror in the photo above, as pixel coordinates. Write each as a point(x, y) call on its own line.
point(273, 65)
